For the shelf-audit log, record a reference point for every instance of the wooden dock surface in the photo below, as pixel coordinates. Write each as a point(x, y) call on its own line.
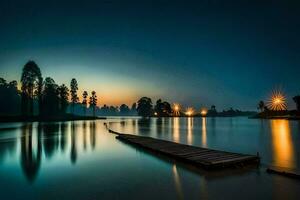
point(202, 157)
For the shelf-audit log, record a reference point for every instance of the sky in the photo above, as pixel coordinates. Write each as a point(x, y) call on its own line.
point(197, 53)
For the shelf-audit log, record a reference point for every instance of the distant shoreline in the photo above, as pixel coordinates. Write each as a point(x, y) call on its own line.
point(68, 117)
point(285, 114)
point(277, 117)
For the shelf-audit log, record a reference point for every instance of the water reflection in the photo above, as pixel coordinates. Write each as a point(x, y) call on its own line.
point(48, 138)
point(204, 136)
point(73, 154)
point(190, 130)
point(176, 129)
point(93, 134)
point(283, 149)
point(31, 148)
point(177, 182)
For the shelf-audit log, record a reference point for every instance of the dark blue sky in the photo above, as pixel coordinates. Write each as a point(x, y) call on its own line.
point(227, 53)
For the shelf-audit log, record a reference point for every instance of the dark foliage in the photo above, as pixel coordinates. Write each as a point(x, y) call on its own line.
point(10, 98)
point(30, 80)
point(144, 107)
point(162, 109)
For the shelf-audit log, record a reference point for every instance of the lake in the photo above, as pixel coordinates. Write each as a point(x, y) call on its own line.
point(81, 160)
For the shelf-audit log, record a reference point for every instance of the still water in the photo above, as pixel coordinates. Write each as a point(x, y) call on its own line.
point(81, 160)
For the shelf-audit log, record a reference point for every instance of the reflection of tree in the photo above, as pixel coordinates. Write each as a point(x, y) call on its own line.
point(73, 144)
point(30, 160)
point(144, 125)
point(93, 134)
point(7, 146)
point(84, 135)
point(50, 141)
point(63, 136)
point(159, 125)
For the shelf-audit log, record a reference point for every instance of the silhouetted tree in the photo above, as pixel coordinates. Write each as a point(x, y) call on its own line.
point(31, 75)
point(163, 109)
point(297, 101)
point(84, 101)
point(93, 102)
point(261, 106)
point(144, 107)
point(212, 111)
point(213, 108)
point(74, 97)
point(133, 110)
point(50, 97)
point(63, 93)
point(39, 93)
point(104, 110)
point(124, 109)
point(10, 98)
point(2, 82)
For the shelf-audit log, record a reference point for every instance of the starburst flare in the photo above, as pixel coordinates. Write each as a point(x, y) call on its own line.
point(277, 101)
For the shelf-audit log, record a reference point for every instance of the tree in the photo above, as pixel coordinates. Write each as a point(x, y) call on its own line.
point(39, 93)
point(297, 101)
point(30, 77)
point(124, 109)
point(133, 109)
point(84, 101)
point(93, 102)
point(104, 110)
point(50, 97)
point(144, 107)
point(74, 97)
point(163, 109)
point(63, 93)
point(9, 97)
point(261, 106)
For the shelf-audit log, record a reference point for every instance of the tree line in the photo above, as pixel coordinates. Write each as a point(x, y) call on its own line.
point(49, 98)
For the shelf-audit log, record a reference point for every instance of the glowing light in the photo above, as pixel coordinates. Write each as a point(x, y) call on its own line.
point(189, 111)
point(277, 101)
point(155, 113)
point(176, 109)
point(203, 112)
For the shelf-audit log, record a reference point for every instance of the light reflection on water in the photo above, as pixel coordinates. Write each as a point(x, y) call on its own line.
point(204, 142)
point(83, 158)
point(49, 139)
point(283, 147)
point(176, 129)
point(177, 182)
point(275, 140)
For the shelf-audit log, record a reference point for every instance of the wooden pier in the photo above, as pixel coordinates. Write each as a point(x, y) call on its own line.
point(197, 156)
